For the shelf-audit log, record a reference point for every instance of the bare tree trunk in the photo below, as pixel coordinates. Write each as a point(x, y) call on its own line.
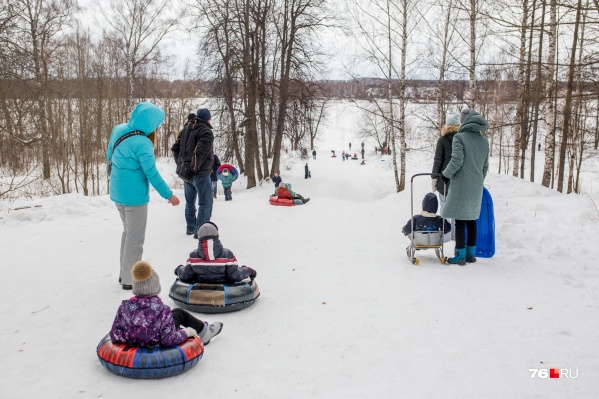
point(402, 99)
point(579, 125)
point(471, 100)
point(391, 117)
point(549, 95)
point(520, 94)
point(287, 42)
point(441, 108)
point(568, 103)
point(249, 68)
point(537, 96)
point(596, 141)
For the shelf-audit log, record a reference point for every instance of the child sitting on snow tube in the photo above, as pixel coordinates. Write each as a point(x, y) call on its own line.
point(144, 321)
point(284, 191)
point(211, 262)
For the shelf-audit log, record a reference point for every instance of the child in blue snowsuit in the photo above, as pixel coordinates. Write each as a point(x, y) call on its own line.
point(428, 220)
point(227, 179)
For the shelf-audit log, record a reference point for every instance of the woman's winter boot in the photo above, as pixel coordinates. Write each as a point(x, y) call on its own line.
point(459, 258)
point(470, 253)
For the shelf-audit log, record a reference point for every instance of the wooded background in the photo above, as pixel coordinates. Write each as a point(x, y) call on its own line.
point(529, 66)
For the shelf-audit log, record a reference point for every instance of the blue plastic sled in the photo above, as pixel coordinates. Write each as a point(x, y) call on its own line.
point(485, 226)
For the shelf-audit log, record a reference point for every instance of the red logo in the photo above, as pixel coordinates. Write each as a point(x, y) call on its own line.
point(553, 373)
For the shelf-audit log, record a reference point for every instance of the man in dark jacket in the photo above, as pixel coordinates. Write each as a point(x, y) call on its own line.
point(213, 178)
point(193, 150)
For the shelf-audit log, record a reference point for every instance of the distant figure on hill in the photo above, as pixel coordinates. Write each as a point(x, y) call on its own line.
point(276, 179)
point(539, 146)
point(350, 146)
point(308, 174)
point(313, 154)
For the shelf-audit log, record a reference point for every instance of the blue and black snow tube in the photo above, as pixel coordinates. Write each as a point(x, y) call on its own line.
point(214, 298)
point(149, 363)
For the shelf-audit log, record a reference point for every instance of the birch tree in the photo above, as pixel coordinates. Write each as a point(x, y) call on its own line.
point(549, 95)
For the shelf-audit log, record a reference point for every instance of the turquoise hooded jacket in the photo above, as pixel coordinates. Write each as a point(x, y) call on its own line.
point(133, 162)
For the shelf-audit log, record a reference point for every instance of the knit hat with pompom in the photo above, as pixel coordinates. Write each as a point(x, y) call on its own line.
point(453, 119)
point(145, 281)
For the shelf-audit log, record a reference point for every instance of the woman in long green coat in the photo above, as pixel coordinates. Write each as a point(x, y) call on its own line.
point(467, 170)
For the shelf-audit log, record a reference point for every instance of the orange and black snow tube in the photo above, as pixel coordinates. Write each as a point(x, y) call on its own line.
point(149, 363)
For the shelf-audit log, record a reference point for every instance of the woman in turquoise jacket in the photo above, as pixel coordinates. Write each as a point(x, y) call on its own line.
point(466, 170)
point(133, 169)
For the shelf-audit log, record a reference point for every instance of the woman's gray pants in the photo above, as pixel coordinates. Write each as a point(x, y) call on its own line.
point(132, 241)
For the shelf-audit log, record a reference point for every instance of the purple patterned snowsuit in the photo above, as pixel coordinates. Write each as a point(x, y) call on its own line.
point(145, 322)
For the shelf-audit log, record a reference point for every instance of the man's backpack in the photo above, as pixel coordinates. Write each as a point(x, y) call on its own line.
point(185, 169)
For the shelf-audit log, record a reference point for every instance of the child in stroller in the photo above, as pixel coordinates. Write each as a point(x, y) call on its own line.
point(428, 228)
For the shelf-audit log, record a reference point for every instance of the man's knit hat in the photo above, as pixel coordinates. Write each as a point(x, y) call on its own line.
point(207, 230)
point(204, 114)
point(145, 281)
point(453, 119)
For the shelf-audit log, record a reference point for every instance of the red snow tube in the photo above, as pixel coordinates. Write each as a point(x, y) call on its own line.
point(274, 200)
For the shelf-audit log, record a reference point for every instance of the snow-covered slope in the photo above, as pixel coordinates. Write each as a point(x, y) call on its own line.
point(343, 313)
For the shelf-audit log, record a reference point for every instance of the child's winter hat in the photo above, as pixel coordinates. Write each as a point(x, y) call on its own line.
point(145, 281)
point(207, 230)
point(225, 172)
point(204, 114)
point(288, 186)
point(453, 119)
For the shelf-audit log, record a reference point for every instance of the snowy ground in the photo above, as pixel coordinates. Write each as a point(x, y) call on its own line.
point(343, 313)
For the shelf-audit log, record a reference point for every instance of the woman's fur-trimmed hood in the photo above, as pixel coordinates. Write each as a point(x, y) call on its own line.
point(446, 129)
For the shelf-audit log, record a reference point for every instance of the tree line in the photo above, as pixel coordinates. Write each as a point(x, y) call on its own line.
point(529, 66)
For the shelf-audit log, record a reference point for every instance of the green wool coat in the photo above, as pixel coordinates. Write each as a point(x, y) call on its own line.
point(467, 169)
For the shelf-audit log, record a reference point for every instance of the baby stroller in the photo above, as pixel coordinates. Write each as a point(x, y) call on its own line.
point(420, 240)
